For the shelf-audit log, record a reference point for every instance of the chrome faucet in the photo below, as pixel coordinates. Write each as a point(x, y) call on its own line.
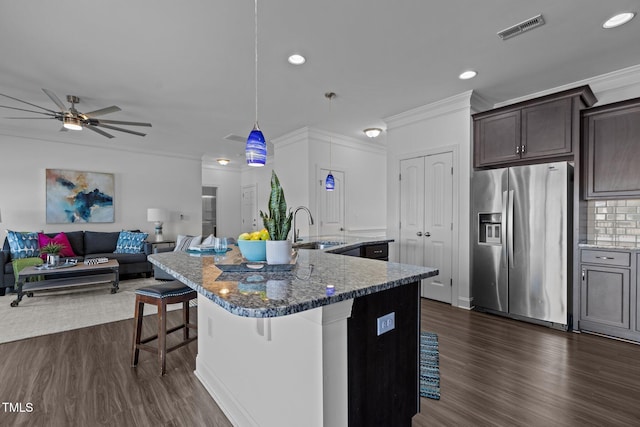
point(295, 230)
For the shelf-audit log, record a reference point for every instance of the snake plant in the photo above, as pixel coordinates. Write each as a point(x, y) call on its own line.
point(278, 221)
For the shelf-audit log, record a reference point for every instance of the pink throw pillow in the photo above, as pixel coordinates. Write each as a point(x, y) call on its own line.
point(60, 239)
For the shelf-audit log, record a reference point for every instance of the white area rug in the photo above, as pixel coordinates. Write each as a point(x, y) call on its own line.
point(48, 313)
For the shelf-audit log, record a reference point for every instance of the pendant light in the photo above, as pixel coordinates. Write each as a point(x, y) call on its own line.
point(330, 183)
point(256, 148)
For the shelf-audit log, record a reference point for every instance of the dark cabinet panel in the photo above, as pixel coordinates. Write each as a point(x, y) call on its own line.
point(612, 134)
point(609, 301)
point(499, 138)
point(541, 129)
point(546, 129)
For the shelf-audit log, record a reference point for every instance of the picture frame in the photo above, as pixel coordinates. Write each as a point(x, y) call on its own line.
point(79, 197)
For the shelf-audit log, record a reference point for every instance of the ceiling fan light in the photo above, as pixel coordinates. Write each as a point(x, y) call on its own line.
point(256, 148)
point(72, 123)
point(372, 132)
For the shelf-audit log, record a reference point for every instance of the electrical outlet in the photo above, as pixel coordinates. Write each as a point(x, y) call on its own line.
point(386, 323)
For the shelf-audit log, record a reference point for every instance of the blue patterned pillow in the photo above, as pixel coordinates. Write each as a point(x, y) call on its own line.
point(23, 245)
point(130, 243)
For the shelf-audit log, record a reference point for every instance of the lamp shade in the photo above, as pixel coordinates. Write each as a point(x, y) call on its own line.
point(256, 149)
point(156, 215)
point(330, 183)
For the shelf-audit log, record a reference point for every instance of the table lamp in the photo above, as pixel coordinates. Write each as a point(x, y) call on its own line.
point(157, 216)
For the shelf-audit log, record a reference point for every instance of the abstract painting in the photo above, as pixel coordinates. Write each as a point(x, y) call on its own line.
point(74, 196)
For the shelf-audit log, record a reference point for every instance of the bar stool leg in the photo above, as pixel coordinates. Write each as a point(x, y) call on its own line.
point(162, 335)
point(137, 333)
point(185, 320)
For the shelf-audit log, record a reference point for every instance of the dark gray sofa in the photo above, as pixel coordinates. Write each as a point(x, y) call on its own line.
point(85, 244)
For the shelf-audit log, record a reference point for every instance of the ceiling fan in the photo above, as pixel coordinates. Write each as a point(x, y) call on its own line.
point(74, 119)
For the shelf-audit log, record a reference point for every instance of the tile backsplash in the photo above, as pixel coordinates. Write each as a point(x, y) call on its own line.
point(614, 222)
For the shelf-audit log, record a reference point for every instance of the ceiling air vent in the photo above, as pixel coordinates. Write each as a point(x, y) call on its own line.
point(520, 28)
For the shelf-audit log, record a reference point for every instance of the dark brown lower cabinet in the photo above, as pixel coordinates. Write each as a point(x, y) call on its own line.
point(608, 293)
point(383, 369)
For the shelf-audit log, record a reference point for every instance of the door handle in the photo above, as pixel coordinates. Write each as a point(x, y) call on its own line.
point(419, 233)
point(427, 234)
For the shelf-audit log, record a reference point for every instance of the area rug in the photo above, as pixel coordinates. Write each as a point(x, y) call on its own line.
point(48, 313)
point(429, 366)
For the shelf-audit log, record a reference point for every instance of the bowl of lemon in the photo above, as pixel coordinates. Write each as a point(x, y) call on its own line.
point(253, 245)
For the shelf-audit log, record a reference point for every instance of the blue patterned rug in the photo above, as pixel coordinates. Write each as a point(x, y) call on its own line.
point(429, 366)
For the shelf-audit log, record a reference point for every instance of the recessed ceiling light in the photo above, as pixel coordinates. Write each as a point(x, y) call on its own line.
point(469, 74)
point(297, 59)
point(619, 19)
point(372, 132)
point(223, 162)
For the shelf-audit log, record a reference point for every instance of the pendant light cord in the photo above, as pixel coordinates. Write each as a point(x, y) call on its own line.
point(256, 55)
point(330, 140)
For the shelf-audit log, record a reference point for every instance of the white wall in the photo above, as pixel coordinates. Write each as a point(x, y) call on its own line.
point(438, 127)
point(228, 200)
point(141, 181)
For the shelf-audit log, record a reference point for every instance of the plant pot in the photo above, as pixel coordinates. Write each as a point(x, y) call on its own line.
point(278, 252)
point(53, 259)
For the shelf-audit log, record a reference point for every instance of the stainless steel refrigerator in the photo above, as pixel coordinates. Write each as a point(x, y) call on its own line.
point(520, 242)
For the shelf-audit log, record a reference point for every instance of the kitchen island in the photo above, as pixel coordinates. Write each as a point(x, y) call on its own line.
point(303, 347)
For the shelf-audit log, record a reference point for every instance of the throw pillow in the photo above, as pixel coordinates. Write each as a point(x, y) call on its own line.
point(130, 243)
point(185, 242)
point(23, 245)
point(60, 239)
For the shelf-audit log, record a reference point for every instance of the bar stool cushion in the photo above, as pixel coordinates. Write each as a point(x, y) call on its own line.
point(165, 290)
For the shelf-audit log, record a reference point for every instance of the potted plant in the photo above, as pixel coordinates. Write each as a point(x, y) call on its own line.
point(52, 251)
point(278, 223)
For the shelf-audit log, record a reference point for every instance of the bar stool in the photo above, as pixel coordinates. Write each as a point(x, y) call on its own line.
point(160, 295)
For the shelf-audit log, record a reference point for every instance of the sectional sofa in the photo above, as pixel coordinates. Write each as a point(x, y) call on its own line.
point(85, 244)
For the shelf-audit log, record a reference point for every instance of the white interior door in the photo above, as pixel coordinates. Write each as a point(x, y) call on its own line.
point(438, 225)
point(250, 209)
point(426, 201)
point(412, 211)
point(331, 205)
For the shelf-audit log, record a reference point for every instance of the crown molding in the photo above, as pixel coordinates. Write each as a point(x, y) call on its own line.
point(429, 111)
point(615, 80)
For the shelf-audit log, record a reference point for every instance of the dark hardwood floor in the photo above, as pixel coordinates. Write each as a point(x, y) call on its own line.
point(494, 372)
point(502, 372)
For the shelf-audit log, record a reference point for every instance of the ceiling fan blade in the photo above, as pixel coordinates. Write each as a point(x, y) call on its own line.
point(31, 118)
point(100, 131)
point(53, 114)
point(103, 111)
point(55, 100)
point(28, 103)
point(122, 122)
point(122, 129)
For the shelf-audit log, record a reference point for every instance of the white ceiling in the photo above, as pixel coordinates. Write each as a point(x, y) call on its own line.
point(188, 66)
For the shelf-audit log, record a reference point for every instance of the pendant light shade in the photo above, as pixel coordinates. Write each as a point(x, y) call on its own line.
point(256, 149)
point(330, 183)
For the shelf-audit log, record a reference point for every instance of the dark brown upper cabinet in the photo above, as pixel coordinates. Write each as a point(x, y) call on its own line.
point(612, 150)
point(543, 128)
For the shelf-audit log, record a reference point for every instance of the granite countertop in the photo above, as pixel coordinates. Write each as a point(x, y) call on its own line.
point(611, 245)
point(346, 242)
point(317, 279)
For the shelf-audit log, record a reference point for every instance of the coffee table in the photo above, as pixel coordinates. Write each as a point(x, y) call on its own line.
point(81, 275)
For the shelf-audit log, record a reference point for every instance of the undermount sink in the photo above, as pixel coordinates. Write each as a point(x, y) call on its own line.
point(316, 245)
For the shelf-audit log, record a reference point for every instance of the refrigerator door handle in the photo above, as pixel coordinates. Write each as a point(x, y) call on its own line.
point(505, 199)
point(510, 228)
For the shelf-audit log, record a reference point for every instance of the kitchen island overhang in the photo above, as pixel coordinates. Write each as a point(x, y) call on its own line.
point(281, 348)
